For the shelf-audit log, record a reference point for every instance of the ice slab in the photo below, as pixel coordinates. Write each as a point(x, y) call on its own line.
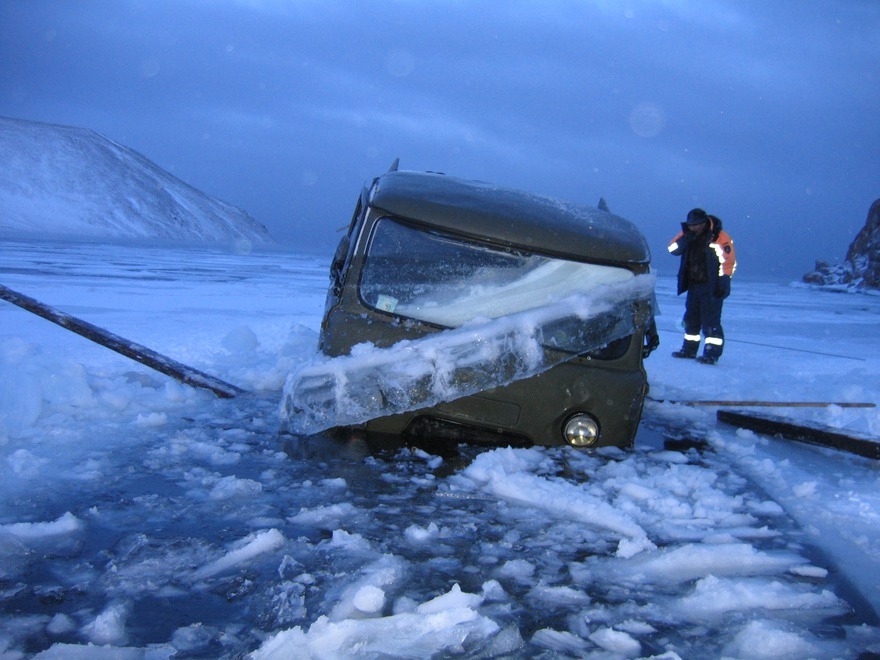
point(412, 374)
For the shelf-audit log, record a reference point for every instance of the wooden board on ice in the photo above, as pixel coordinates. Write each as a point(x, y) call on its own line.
point(803, 431)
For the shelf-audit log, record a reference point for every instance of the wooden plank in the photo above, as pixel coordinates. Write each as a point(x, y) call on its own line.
point(122, 346)
point(769, 404)
point(808, 432)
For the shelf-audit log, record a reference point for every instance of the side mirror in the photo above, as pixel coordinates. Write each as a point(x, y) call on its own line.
point(652, 339)
point(337, 264)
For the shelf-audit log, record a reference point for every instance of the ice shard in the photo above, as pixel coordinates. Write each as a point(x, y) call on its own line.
point(374, 382)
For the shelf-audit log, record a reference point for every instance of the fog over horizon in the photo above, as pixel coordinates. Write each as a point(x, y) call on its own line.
point(761, 113)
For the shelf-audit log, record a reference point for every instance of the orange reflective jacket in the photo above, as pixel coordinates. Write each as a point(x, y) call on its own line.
point(721, 257)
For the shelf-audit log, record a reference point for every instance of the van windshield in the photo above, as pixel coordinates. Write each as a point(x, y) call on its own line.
point(448, 281)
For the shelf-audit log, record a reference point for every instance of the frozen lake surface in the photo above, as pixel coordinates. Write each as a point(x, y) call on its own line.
point(154, 520)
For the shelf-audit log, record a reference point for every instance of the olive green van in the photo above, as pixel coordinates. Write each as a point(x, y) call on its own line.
point(420, 234)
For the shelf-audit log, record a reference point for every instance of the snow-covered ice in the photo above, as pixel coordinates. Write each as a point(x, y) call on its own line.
point(142, 518)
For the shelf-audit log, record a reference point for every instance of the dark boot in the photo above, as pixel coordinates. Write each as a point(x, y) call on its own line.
point(688, 348)
point(712, 351)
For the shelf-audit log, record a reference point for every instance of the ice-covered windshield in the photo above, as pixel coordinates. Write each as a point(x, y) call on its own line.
point(448, 281)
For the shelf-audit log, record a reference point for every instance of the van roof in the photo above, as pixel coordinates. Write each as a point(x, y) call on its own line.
point(510, 217)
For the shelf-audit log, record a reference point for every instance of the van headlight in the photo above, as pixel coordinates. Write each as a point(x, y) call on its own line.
point(581, 430)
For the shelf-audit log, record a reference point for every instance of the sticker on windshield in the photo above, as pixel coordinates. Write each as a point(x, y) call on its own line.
point(386, 303)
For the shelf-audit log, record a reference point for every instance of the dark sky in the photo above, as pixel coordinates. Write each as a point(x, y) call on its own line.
point(766, 114)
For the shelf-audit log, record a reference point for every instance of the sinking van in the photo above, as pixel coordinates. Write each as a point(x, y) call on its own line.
point(426, 252)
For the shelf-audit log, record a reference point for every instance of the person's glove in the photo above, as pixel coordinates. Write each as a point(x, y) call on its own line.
point(722, 287)
point(686, 235)
point(682, 242)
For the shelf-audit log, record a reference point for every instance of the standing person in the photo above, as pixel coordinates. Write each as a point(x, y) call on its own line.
point(708, 261)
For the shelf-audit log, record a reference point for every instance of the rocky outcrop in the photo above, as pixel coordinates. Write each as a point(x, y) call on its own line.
point(861, 269)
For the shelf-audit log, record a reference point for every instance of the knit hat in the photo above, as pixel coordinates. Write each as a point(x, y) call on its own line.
point(697, 217)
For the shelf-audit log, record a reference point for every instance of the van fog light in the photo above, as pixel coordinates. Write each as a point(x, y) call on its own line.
point(581, 430)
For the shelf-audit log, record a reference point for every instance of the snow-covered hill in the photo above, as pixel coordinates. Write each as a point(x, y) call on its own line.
point(72, 182)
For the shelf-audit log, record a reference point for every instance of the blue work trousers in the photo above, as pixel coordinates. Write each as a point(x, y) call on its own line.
point(702, 313)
